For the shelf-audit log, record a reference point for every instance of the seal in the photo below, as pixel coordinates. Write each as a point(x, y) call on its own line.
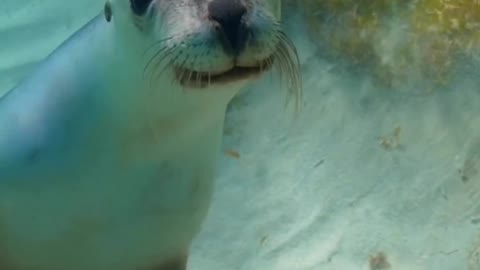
point(108, 150)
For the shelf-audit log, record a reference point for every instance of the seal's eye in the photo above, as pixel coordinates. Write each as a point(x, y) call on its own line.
point(140, 7)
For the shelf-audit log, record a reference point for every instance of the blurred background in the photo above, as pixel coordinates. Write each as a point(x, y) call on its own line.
point(379, 171)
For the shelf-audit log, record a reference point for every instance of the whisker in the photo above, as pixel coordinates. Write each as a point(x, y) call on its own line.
point(289, 65)
point(154, 57)
point(284, 62)
point(169, 38)
point(181, 67)
point(169, 64)
point(163, 56)
point(277, 65)
point(182, 64)
point(161, 51)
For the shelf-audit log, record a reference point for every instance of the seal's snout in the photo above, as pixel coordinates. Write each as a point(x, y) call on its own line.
point(229, 19)
point(227, 41)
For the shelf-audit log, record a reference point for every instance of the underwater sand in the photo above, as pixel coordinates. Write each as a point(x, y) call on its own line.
point(367, 178)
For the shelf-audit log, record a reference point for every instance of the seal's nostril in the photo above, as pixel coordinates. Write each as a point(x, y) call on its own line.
point(229, 18)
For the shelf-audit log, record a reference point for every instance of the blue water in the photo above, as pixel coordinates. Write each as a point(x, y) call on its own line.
point(364, 170)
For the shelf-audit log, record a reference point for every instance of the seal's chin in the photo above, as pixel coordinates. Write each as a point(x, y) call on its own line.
point(202, 79)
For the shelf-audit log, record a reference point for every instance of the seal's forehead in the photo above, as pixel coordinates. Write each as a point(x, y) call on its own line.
point(273, 7)
point(177, 7)
point(274, 3)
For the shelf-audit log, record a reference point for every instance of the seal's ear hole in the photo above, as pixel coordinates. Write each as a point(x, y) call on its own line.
point(108, 11)
point(140, 7)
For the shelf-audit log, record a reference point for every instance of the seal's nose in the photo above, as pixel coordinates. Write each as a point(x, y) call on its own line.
point(229, 16)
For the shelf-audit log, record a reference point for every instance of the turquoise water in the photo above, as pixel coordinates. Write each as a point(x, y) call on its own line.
point(364, 170)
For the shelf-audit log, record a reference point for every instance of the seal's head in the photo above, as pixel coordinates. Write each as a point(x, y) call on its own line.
point(202, 43)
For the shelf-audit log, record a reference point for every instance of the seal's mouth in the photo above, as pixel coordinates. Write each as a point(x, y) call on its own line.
point(196, 79)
